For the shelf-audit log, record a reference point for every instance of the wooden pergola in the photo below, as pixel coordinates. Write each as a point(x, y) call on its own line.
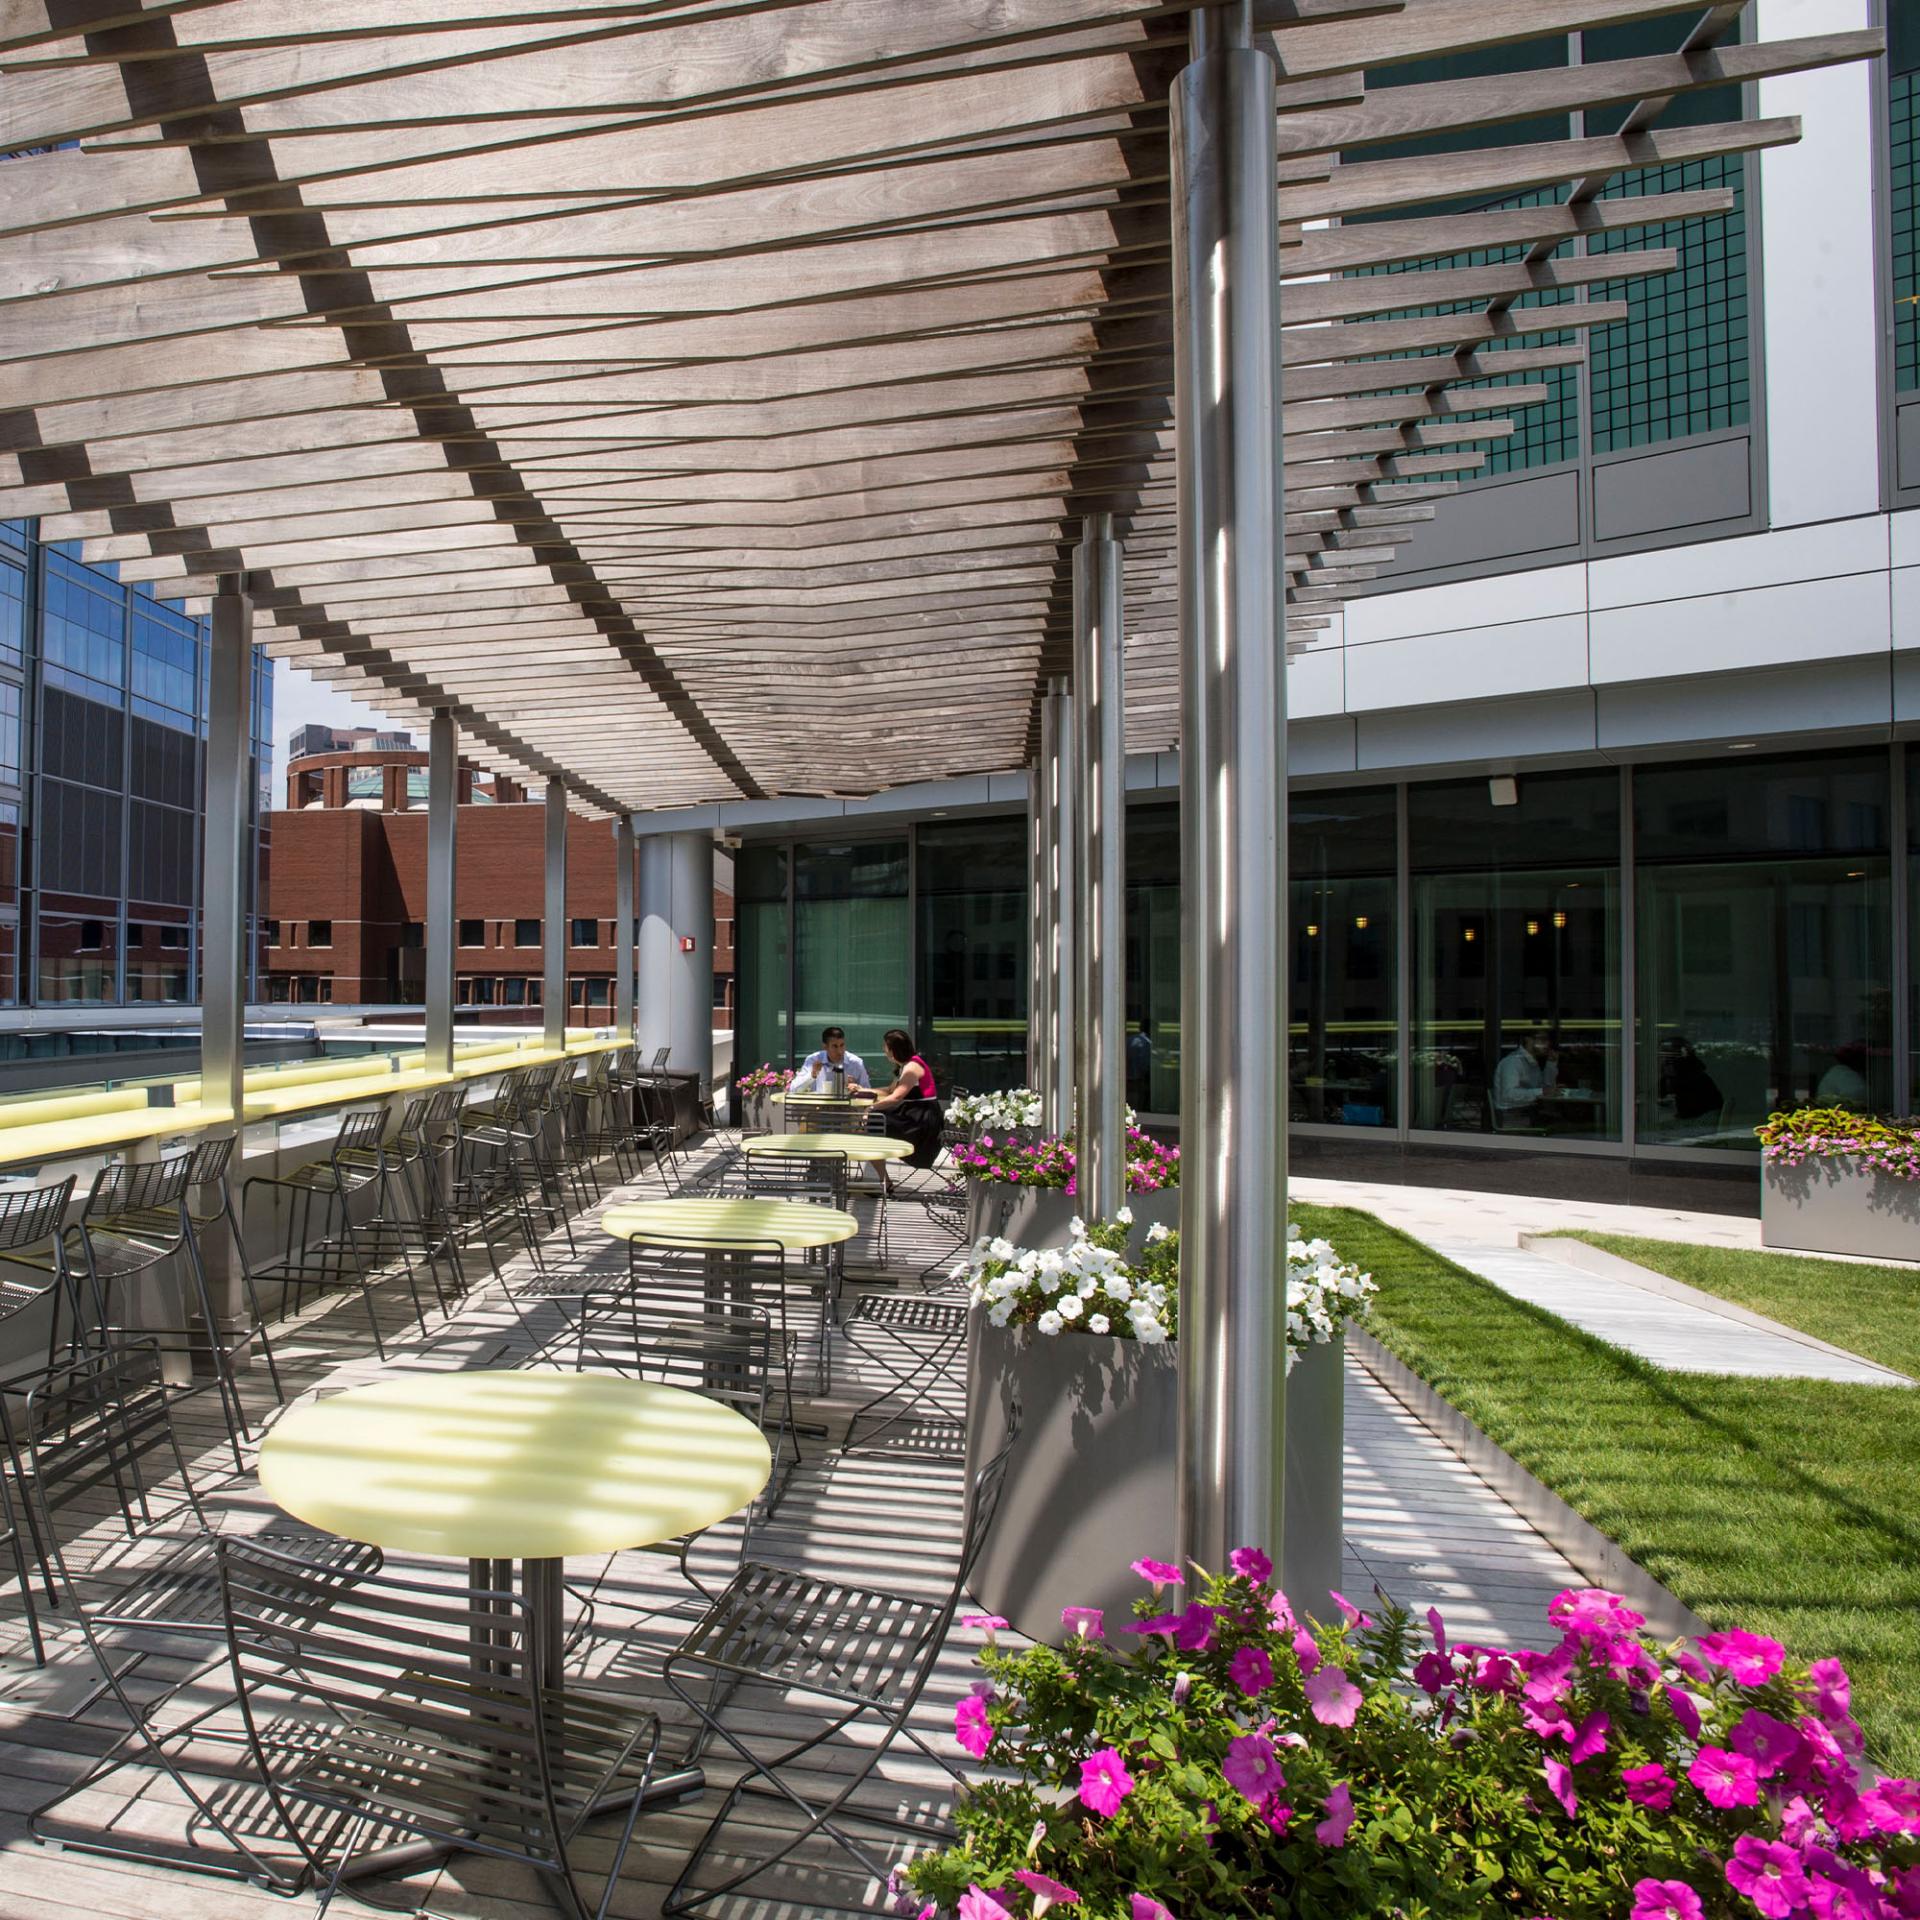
point(700, 399)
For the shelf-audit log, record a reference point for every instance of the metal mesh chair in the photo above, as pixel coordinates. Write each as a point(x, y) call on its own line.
point(33, 1242)
point(499, 1187)
point(103, 1426)
point(824, 1179)
point(918, 1342)
point(424, 1715)
point(830, 1116)
point(865, 1653)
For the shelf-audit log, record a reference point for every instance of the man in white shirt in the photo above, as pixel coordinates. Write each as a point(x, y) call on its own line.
point(1523, 1079)
point(817, 1070)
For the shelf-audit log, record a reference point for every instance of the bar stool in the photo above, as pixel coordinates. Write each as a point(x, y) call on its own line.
point(490, 1187)
point(429, 1129)
point(33, 1240)
point(336, 1257)
point(401, 1225)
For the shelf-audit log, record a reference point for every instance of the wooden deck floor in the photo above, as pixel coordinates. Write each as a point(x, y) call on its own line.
point(1418, 1522)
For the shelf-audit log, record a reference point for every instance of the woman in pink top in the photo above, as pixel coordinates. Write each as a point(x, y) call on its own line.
point(912, 1104)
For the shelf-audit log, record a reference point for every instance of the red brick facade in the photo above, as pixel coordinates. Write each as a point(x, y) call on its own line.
point(361, 874)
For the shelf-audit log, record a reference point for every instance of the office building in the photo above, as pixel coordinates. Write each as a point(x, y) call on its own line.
point(103, 705)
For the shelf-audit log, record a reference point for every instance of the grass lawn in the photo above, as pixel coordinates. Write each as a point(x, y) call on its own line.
point(1791, 1507)
point(1868, 1310)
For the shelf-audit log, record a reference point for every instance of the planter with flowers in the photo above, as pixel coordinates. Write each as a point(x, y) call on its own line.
point(1013, 1110)
point(1204, 1754)
point(1027, 1191)
point(1838, 1182)
point(756, 1088)
point(1081, 1339)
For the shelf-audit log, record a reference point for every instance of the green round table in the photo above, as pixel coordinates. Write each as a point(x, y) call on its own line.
point(866, 1148)
point(799, 1226)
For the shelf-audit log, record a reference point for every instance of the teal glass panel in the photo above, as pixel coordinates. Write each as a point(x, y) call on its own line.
point(1903, 135)
point(851, 954)
point(761, 963)
point(1153, 959)
point(970, 877)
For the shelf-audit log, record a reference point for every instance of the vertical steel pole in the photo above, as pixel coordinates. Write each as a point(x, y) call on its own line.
point(1233, 1204)
point(1046, 913)
point(1066, 950)
point(623, 925)
point(443, 762)
point(1100, 1047)
point(553, 949)
point(1038, 938)
point(223, 867)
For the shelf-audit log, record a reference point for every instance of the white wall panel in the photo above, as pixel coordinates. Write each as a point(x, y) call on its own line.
point(1480, 663)
point(1754, 560)
point(1533, 595)
point(1316, 683)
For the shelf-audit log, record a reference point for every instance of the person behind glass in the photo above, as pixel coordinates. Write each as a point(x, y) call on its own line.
point(820, 1072)
point(911, 1106)
point(1523, 1080)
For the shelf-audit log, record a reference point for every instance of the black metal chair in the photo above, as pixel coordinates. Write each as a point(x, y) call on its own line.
point(33, 1241)
point(824, 1179)
point(498, 1190)
point(865, 1653)
point(918, 1341)
point(423, 1716)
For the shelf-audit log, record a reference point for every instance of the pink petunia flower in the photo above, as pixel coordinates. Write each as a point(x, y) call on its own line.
point(1160, 1573)
point(1348, 1611)
point(977, 1904)
point(1283, 1621)
point(1686, 1710)
point(1104, 1782)
point(1306, 1650)
point(1664, 1900)
point(1251, 1671)
point(1560, 1785)
point(1438, 1628)
point(1084, 1623)
point(1332, 1831)
point(1830, 1692)
point(1195, 1628)
point(987, 1623)
point(971, 1727)
point(1252, 1768)
point(1588, 1739)
point(1046, 1892)
point(1749, 1659)
point(1433, 1672)
point(1251, 1564)
point(1650, 1787)
point(1727, 1779)
point(1333, 1697)
point(1145, 1907)
point(1768, 1874)
point(1593, 1613)
point(1769, 1743)
point(1893, 1805)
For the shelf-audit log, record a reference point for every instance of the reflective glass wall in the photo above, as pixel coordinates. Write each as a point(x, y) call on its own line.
point(970, 945)
point(1153, 958)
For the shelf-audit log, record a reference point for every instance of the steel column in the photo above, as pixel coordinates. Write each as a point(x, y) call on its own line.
point(1233, 1078)
point(1039, 919)
point(676, 980)
point(623, 942)
point(226, 850)
point(1100, 1041)
point(1059, 762)
point(554, 930)
point(443, 763)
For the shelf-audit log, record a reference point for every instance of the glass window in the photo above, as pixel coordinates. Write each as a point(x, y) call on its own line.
point(1903, 131)
point(1342, 855)
point(273, 933)
point(84, 626)
point(319, 933)
point(761, 1030)
point(1516, 979)
point(850, 944)
point(1153, 959)
point(971, 878)
point(526, 933)
point(156, 963)
point(13, 611)
point(1765, 943)
point(583, 933)
point(72, 968)
point(10, 731)
point(473, 933)
point(513, 991)
point(79, 839)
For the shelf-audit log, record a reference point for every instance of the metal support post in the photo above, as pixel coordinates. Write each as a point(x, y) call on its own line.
point(225, 850)
point(1059, 764)
point(1233, 1192)
point(554, 931)
point(443, 759)
point(1039, 921)
point(623, 926)
point(1100, 1041)
point(676, 950)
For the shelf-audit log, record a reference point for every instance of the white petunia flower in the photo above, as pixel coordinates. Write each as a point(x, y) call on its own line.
point(1068, 1307)
point(1157, 1232)
point(1098, 1323)
point(1125, 1216)
point(1049, 1323)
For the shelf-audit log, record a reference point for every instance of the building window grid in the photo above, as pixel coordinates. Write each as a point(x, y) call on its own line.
point(1903, 206)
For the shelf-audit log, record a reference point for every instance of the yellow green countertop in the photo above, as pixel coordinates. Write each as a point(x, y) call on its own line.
point(38, 1142)
point(866, 1147)
point(736, 1225)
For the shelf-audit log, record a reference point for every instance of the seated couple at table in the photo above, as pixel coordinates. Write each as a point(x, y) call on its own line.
point(910, 1107)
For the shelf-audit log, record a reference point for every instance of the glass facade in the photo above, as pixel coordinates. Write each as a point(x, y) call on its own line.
point(1903, 199)
point(103, 700)
point(1644, 960)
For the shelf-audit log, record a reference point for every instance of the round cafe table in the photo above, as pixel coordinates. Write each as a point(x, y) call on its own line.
point(869, 1149)
point(798, 1226)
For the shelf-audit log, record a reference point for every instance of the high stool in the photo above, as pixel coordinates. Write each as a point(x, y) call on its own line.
point(33, 1241)
point(491, 1188)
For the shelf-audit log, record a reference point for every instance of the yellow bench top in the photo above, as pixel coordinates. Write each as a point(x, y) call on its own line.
point(731, 1224)
point(868, 1148)
point(94, 1133)
point(339, 1093)
point(34, 1108)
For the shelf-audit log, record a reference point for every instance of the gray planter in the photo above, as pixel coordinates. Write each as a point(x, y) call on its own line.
point(1043, 1216)
point(1091, 1484)
point(1840, 1206)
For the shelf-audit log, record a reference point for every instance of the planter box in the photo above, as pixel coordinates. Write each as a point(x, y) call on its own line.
point(1043, 1216)
point(1091, 1485)
point(1839, 1206)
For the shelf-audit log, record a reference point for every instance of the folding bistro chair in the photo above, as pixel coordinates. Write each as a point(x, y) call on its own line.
point(33, 1241)
point(864, 1653)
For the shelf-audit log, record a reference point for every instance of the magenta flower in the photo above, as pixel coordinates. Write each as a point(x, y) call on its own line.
point(1332, 1831)
point(1593, 1613)
point(1348, 1611)
point(987, 1623)
point(1194, 1629)
point(1696, 1670)
point(1252, 1768)
point(1306, 1650)
point(1104, 1782)
point(1167, 1623)
point(971, 1727)
point(1046, 1892)
point(1727, 1779)
point(977, 1904)
point(1333, 1697)
point(1649, 1787)
point(1893, 1805)
point(1768, 1874)
point(1274, 1814)
point(1560, 1785)
point(1433, 1672)
point(1251, 1564)
point(1588, 1739)
point(1251, 1671)
point(1769, 1743)
point(1686, 1710)
point(1750, 1659)
point(1159, 1573)
point(1084, 1623)
point(1664, 1900)
point(1831, 1693)
point(1145, 1907)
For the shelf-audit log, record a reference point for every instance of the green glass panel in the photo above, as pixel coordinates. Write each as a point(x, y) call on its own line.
point(850, 945)
point(1153, 959)
point(971, 882)
point(762, 1025)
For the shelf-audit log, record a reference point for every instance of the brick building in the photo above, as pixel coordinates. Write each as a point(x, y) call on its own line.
point(348, 898)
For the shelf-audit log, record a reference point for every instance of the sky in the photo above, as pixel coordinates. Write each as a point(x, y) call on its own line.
point(299, 698)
